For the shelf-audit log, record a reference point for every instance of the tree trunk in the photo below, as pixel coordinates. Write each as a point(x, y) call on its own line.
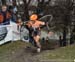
point(3, 2)
point(64, 37)
point(26, 11)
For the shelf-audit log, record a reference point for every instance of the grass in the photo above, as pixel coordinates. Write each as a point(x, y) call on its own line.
point(63, 53)
point(67, 53)
point(8, 49)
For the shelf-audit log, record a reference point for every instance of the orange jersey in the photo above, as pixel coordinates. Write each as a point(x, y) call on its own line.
point(1, 18)
point(35, 24)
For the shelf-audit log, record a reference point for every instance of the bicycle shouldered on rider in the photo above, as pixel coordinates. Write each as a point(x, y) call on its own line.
point(34, 26)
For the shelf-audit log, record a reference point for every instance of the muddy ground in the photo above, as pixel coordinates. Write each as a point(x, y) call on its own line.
point(19, 51)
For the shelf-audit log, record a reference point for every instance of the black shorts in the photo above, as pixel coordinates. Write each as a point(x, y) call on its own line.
point(37, 32)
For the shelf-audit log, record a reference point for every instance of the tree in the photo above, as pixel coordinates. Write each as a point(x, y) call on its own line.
point(26, 5)
point(4, 2)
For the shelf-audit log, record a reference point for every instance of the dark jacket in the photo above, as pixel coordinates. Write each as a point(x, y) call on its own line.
point(5, 18)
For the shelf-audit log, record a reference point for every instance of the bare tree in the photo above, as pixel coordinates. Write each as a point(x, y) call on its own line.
point(26, 13)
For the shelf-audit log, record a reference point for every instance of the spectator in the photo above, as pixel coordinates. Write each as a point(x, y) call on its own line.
point(5, 16)
point(13, 17)
point(1, 18)
point(15, 9)
point(19, 23)
point(60, 41)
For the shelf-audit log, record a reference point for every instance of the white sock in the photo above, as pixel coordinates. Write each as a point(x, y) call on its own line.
point(38, 50)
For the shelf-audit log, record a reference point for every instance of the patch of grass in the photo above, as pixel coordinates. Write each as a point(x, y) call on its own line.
point(11, 46)
point(8, 49)
point(63, 53)
point(67, 52)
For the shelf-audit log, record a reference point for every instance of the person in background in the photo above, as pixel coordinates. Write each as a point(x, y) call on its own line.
point(15, 9)
point(1, 18)
point(4, 16)
point(13, 17)
point(60, 41)
point(19, 23)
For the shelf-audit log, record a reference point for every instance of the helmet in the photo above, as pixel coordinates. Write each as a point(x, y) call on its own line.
point(33, 17)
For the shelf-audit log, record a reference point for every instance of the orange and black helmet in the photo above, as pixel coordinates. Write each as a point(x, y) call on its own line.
point(33, 17)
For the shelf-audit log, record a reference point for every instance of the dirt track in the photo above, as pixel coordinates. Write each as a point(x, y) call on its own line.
point(19, 52)
point(24, 55)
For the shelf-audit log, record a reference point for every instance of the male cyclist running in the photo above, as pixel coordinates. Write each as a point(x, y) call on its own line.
point(35, 26)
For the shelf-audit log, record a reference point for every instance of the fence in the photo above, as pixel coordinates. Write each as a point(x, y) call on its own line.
point(12, 32)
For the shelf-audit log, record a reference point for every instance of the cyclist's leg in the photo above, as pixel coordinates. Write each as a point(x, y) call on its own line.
point(37, 38)
point(32, 41)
